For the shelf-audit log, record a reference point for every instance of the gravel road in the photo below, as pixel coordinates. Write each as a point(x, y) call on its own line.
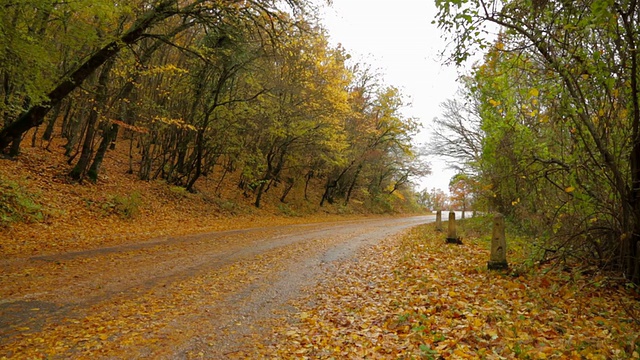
point(199, 296)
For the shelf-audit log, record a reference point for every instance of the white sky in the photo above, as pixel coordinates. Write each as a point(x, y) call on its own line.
point(398, 39)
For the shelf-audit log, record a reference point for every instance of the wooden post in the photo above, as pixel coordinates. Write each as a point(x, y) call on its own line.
point(452, 236)
point(439, 220)
point(498, 258)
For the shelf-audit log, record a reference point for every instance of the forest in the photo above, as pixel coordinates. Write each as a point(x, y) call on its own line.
point(248, 93)
point(546, 128)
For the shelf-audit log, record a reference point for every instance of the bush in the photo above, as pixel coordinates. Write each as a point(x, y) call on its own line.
point(381, 204)
point(127, 207)
point(17, 205)
point(286, 210)
point(227, 206)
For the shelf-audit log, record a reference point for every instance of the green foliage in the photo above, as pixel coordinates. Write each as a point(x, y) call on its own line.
point(560, 121)
point(381, 204)
point(524, 251)
point(428, 353)
point(126, 207)
point(461, 20)
point(179, 190)
point(227, 206)
point(286, 210)
point(17, 204)
point(344, 210)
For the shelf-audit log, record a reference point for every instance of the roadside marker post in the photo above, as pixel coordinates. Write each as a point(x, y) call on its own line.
point(439, 220)
point(498, 257)
point(452, 236)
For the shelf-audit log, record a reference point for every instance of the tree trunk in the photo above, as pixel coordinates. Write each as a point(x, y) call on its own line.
point(290, 183)
point(198, 164)
point(76, 131)
point(631, 248)
point(332, 184)
point(353, 184)
point(266, 178)
point(79, 171)
point(107, 138)
point(308, 178)
point(48, 132)
point(64, 127)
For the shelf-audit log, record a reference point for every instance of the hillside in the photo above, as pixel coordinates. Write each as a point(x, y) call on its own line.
point(44, 211)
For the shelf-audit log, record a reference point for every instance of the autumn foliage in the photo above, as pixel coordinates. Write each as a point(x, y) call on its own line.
point(417, 298)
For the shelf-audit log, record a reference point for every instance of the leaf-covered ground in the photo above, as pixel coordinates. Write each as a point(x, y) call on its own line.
point(418, 298)
point(119, 208)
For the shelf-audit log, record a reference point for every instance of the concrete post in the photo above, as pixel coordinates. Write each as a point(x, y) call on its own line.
point(452, 236)
point(439, 220)
point(498, 257)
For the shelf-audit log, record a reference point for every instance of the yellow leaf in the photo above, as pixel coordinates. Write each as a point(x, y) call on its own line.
point(569, 189)
point(534, 92)
point(477, 322)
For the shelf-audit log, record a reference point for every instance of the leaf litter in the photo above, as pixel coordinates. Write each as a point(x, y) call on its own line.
point(418, 298)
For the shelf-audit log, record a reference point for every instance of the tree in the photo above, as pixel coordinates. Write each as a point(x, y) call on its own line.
point(457, 135)
point(578, 59)
point(461, 188)
point(192, 11)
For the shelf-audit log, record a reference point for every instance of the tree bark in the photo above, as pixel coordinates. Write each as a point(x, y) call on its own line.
point(80, 169)
point(353, 185)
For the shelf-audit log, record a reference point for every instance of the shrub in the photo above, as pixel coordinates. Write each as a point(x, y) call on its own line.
point(286, 210)
point(17, 205)
point(126, 207)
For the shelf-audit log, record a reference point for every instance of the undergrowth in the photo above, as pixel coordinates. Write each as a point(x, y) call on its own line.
point(523, 250)
point(17, 204)
point(124, 206)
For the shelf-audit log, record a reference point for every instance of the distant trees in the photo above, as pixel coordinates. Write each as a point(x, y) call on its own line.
point(457, 135)
point(434, 199)
point(558, 98)
point(462, 188)
point(201, 88)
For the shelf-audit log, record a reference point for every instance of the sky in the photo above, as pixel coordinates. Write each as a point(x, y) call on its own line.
point(397, 39)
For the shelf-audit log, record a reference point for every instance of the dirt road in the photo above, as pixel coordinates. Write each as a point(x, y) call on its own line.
point(200, 296)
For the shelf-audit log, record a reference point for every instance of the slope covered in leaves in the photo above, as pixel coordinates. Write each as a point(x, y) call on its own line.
point(43, 211)
point(417, 297)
